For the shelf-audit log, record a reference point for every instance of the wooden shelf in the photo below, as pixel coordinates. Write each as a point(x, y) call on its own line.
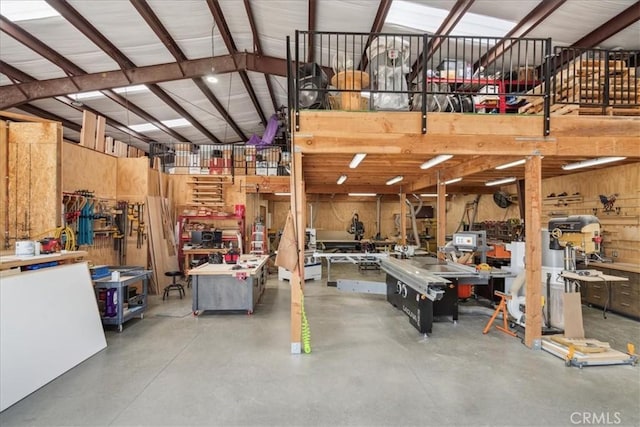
point(562, 200)
point(619, 220)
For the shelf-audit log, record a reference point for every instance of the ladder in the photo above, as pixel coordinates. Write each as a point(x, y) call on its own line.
point(258, 239)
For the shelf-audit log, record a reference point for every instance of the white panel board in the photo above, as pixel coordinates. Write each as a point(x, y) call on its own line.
point(49, 323)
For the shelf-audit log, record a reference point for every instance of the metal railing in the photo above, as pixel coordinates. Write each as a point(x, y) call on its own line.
point(221, 159)
point(597, 77)
point(417, 72)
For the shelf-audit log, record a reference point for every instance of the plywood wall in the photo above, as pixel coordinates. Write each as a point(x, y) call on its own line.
point(621, 230)
point(32, 156)
point(4, 174)
point(87, 169)
point(132, 185)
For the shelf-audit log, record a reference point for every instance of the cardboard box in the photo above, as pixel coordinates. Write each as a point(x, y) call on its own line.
point(527, 74)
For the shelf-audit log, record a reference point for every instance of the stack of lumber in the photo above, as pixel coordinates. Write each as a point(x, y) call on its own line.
point(580, 88)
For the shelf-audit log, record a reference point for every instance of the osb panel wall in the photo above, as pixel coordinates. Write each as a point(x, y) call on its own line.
point(487, 210)
point(132, 185)
point(33, 171)
point(86, 169)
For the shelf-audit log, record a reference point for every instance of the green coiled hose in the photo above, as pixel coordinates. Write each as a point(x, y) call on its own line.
point(306, 332)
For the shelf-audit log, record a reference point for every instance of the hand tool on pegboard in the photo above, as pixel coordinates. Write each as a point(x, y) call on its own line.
point(141, 234)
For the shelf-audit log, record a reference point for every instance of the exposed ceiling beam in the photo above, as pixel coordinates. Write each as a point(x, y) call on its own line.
point(154, 23)
point(221, 22)
point(521, 29)
point(85, 27)
point(74, 71)
point(257, 47)
point(311, 27)
point(469, 167)
point(611, 27)
point(89, 31)
point(376, 27)
point(21, 76)
point(10, 95)
point(455, 15)
point(39, 112)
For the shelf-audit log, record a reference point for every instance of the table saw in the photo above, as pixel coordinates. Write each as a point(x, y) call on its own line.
point(425, 287)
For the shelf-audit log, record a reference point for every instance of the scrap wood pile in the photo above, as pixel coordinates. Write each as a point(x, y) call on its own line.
point(579, 88)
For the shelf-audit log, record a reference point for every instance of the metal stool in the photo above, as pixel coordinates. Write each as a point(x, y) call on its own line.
point(174, 285)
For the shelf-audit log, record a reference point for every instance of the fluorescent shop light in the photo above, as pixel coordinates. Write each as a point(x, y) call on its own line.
point(395, 180)
point(512, 164)
point(592, 162)
point(453, 181)
point(500, 181)
point(357, 159)
point(435, 161)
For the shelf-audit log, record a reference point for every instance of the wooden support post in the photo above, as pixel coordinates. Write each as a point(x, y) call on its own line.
point(441, 215)
point(403, 219)
point(533, 251)
point(297, 276)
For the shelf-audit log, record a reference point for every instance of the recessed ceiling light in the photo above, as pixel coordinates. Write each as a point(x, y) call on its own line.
point(342, 179)
point(362, 194)
point(592, 162)
point(432, 195)
point(282, 194)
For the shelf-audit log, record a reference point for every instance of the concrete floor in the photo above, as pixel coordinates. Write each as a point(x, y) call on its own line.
point(368, 367)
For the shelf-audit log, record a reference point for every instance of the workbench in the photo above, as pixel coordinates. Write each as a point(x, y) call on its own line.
point(33, 262)
point(593, 278)
point(235, 287)
point(190, 253)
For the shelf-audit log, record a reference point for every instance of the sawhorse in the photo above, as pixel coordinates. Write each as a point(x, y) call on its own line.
point(502, 307)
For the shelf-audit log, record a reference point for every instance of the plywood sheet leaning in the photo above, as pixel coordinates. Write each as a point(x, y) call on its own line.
point(84, 169)
point(100, 134)
point(160, 242)
point(88, 131)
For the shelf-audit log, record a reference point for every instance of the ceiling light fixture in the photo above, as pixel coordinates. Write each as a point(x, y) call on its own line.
point(282, 194)
point(432, 195)
point(342, 179)
point(511, 164)
point(362, 194)
point(591, 162)
point(211, 77)
point(435, 161)
point(357, 158)
point(453, 181)
point(500, 181)
point(395, 180)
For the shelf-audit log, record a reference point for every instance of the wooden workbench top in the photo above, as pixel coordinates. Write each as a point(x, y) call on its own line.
point(249, 264)
point(622, 266)
point(12, 261)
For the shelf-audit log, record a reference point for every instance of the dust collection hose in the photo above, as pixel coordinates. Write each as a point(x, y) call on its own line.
point(306, 332)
